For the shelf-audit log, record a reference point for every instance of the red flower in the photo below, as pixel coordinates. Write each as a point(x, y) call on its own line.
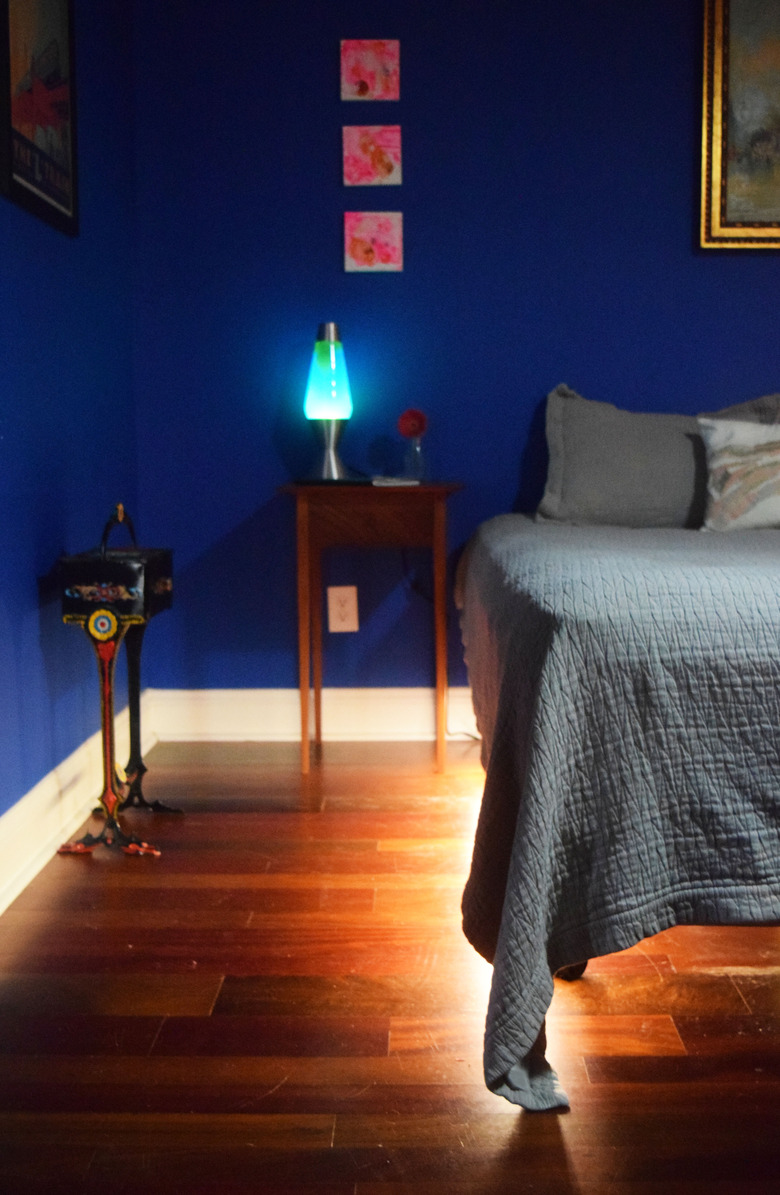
point(412, 423)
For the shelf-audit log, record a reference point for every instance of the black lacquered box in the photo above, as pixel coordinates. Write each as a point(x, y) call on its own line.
point(135, 583)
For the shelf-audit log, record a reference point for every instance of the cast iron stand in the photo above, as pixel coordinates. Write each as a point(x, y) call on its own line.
point(106, 631)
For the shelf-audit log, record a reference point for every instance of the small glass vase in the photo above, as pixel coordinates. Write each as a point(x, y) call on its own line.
point(414, 460)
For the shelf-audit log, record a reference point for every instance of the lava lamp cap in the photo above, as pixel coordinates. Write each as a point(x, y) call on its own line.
point(329, 332)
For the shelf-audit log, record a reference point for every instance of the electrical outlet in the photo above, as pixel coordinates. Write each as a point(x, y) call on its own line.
point(342, 608)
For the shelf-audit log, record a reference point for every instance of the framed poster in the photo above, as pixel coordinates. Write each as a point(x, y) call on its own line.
point(373, 242)
point(740, 192)
point(37, 109)
point(370, 69)
point(371, 155)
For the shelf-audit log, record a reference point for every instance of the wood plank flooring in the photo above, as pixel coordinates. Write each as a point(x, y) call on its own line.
point(283, 1002)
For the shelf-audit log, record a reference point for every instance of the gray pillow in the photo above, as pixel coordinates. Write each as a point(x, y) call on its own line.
point(630, 469)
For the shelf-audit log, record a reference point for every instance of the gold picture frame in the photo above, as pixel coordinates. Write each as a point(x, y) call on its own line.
point(38, 110)
point(740, 192)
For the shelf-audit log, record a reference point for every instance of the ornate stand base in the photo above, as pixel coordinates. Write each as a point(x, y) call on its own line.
point(135, 798)
point(112, 835)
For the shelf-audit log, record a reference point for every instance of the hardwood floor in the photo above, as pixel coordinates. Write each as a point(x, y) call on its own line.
point(283, 1002)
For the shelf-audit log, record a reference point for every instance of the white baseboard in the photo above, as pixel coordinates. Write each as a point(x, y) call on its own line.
point(51, 812)
point(273, 715)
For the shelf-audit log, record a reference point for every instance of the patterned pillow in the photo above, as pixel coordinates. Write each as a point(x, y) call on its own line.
point(743, 474)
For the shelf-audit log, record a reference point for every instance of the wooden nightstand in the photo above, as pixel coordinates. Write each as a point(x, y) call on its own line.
point(331, 514)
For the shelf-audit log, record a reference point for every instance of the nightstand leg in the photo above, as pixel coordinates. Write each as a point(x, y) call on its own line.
point(440, 629)
point(316, 643)
point(304, 625)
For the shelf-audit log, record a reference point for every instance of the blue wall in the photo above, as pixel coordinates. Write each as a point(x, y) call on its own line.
point(67, 438)
point(550, 200)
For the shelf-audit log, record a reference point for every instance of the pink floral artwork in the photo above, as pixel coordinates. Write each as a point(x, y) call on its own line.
point(372, 155)
point(370, 70)
point(373, 241)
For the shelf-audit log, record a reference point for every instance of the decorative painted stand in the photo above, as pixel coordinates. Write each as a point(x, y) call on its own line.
point(112, 594)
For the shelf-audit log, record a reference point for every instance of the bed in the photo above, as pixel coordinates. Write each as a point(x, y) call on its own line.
point(626, 683)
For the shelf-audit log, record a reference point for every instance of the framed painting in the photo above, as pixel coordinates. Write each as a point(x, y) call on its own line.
point(371, 155)
point(740, 194)
point(373, 242)
point(38, 110)
point(370, 69)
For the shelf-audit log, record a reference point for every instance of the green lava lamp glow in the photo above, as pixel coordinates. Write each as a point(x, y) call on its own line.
point(327, 391)
point(328, 398)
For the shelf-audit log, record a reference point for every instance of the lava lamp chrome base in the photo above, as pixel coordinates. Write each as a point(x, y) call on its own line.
point(331, 467)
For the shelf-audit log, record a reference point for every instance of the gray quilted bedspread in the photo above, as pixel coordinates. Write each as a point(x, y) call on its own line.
point(626, 684)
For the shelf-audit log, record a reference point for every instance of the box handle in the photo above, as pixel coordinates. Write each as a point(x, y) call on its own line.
point(118, 516)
